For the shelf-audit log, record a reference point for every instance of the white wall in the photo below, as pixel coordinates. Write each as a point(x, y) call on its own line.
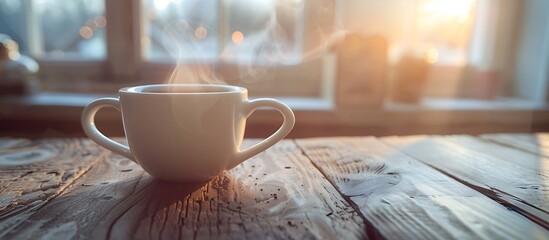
point(532, 73)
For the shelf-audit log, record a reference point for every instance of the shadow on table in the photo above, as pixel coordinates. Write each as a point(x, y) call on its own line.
point(160, 209)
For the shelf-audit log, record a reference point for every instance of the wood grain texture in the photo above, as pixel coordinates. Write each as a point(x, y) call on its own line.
point(511, 177)
point(34, 172)
point(405, 199)
point(535, 163)
point(277, 194)
point(514, 155)
point(534, 143)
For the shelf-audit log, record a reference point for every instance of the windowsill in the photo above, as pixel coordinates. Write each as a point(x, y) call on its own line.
point(446, 104)
point(53, 99)
point(315, 116)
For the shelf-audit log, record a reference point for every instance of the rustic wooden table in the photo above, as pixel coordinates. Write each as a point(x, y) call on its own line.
point(418, 187)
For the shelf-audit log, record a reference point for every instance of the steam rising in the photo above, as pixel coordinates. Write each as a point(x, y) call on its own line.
point(252, 36)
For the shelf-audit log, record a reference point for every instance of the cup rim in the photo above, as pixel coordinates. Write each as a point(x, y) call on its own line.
point(218, 89)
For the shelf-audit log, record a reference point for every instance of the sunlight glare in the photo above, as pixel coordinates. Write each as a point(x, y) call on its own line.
point(200, 32)
point(431, 56)
point(161, 5)
point(237, 37)
point(100, 21)
point(460, 10)
point(86, 32)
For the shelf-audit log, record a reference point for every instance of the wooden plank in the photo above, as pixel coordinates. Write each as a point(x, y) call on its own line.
point(535, 163)
point(405, 199)
point(511, 177)
point(517, 156)
point(534, 143)
point(33, 172)
point(277, 194)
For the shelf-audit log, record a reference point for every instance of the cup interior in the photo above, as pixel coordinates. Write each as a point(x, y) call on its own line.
point(184, 89)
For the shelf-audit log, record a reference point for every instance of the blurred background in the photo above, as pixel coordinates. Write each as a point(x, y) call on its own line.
point(346, 67)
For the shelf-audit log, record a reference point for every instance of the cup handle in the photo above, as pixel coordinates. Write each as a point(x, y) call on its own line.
point(88, 124)
point(287, 125)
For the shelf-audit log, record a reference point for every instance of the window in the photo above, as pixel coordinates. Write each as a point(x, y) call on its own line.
point(436, 29)
point(180, 30)
point(273, 47)
point(46, 29)
point(232, 31)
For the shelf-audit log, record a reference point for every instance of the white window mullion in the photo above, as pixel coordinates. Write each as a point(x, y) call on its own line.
point(34, 31)
point(532, 63)
point(221, 26)
point(123, 39)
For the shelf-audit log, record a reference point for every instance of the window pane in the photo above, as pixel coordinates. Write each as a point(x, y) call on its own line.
point(444, 30)
point(56, 29)
point(180, 29)
point(439, 29)
point(262, 32)
point(237, 31)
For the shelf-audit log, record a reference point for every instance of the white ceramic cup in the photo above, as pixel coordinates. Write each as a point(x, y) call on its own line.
point(185, 132)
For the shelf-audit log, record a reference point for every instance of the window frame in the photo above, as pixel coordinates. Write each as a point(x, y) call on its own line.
point(125, 64)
